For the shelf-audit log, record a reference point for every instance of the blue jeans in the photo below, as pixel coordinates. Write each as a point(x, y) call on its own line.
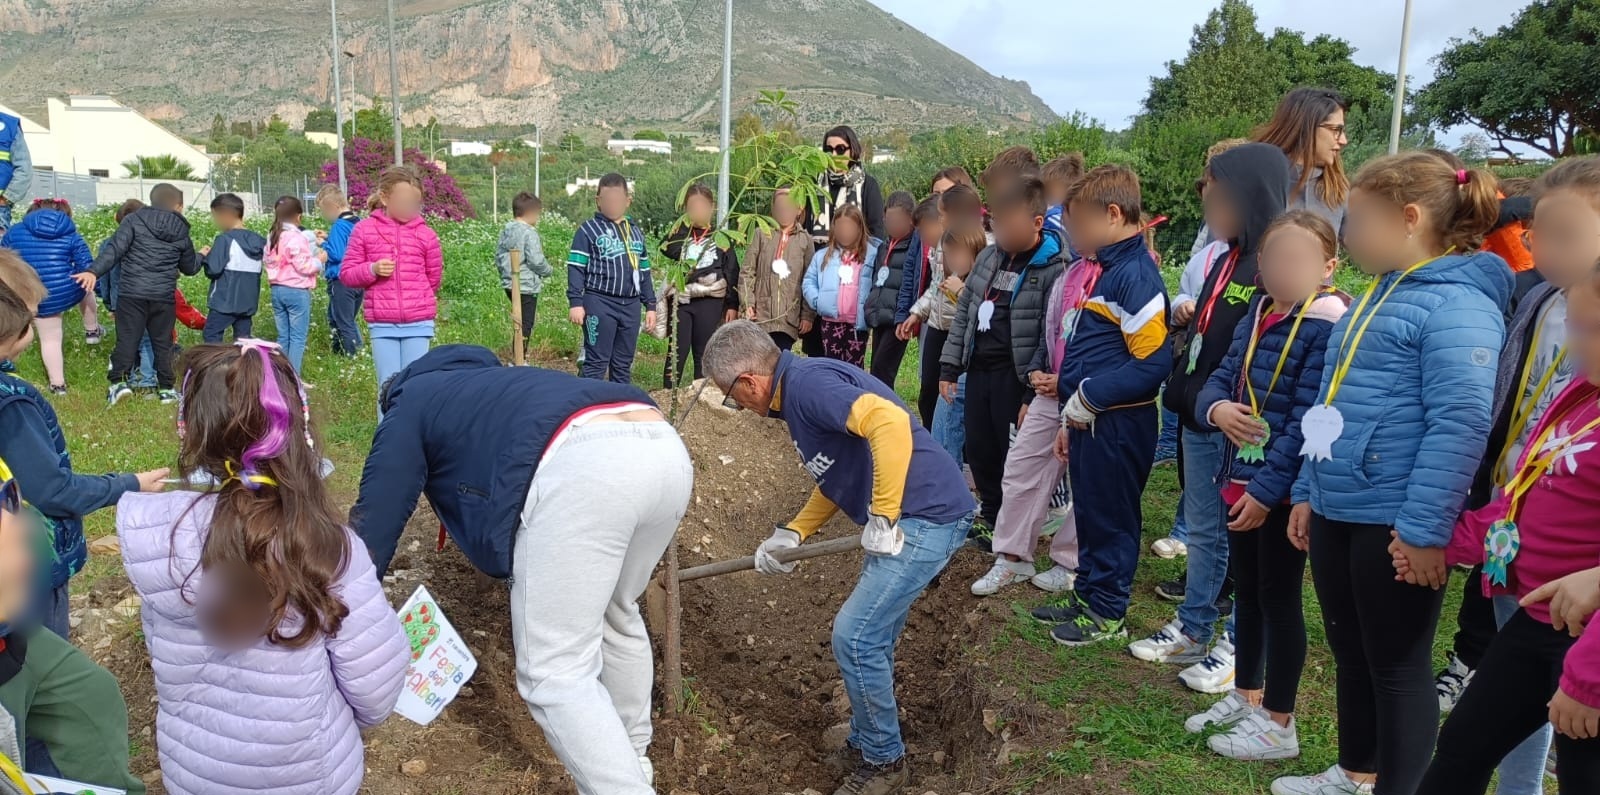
point(390, 355)
point(5, 217)
point(344, 306)
point(1167, 442)
point(1522, 770)
point(1207, 520)
point(869, 624)
point(950, 422)
point(147, 366)
point(291, 310)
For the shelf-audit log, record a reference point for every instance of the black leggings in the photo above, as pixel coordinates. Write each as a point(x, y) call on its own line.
point(994, 398)
point(696, 322)
point(1505, 703)
point(781, 339)
point(932, 346)
point(888, 350)
point(1474, 621)
point(1381, 633)
point(1270, 627)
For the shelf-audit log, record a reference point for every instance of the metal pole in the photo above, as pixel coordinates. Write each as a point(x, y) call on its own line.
point(494, 175)
point(394, 89)
point(538, 155)
point(727, 91)
point(338, 97)
point(1400, 82)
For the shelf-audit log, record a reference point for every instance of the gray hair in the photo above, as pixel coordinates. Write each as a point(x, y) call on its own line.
point(739, 348)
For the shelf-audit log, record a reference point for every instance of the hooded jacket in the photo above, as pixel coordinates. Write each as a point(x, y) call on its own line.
point(411, 293)
point(913, 276)
point(1416, 400)
point(823, 280)
point(888, 274)
point(778, 300)
point(1255, 177)
point(150, 249)
point(49, 242)
point(336, 242)
point(1520, 330)
point(292, 262)
point(234, 267)
point(1115, 353)
point(265, 718)
point(469, 433)
point(1299, 380)
point(935, 307)
point(1027, 307)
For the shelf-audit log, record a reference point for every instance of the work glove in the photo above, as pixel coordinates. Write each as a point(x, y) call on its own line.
point(1075, 412)
point(782, 538)
point(882, 537)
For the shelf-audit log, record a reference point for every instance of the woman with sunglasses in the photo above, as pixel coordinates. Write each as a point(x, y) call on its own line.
point(847, 182)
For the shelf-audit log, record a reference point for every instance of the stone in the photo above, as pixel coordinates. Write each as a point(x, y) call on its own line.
point(129, 607)
point(991, 721)
point(414, 768)
point(836, 736)
point(938, 759)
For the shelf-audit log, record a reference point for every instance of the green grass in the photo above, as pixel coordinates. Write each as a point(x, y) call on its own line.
point(1123, 713)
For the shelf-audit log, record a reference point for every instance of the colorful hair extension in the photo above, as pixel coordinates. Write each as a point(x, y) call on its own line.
point(271, 443)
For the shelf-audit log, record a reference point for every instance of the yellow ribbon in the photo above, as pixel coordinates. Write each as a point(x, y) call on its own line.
point(1522, 412)
point(1534, 462)
point(1283, 356)
point(1353, 341)
point(233, 475)
point(626, 230)
point(14, 774)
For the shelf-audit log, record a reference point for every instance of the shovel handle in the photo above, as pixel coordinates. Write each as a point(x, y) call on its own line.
point(748, 563)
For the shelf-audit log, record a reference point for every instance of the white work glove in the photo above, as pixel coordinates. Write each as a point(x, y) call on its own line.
point(1075, 412)
point(782, 538)
point(882, 537)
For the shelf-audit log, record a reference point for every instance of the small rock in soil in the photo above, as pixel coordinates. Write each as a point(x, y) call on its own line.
point(129, 607)
point(938, 759)
point(835, 737)
point(414, 768)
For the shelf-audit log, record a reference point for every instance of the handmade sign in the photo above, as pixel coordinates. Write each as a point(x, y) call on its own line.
point(440, 661)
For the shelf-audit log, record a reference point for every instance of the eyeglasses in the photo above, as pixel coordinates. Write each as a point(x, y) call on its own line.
point(841, 150)
point(1336, 129)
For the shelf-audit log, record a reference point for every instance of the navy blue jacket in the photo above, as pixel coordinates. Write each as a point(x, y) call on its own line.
point(911, 285)
point(468, 432)
point(1270, 481)
point(32, 444)
point(888, 275)
point(1119, 354)
point(49, 242)
point(234, 267)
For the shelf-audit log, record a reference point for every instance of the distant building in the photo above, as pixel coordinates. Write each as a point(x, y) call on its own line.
point(619, 145)
point(884, 156)
point(708, 148)
point(462, 148)
point(328, 139)
point(95, 135)
point(589, 183)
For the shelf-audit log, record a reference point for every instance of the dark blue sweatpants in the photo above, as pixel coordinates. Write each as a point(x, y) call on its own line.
point(610, 337)
point(1109, 465)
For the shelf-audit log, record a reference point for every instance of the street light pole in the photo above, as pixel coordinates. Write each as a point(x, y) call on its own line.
point(1400, 82)
point(538, 155)
point(338, 98)
point(727, 90)
point(394, 89)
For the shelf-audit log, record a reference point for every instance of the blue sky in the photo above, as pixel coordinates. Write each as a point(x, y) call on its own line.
point(1098, 57)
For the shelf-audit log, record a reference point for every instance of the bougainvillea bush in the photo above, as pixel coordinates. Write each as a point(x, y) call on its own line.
point(365, 159)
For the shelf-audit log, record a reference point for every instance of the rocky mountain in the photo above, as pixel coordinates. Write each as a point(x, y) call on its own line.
point(471, 63)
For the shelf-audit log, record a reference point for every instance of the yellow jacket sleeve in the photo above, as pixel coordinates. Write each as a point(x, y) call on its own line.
point(887, 429)
point(816, 513)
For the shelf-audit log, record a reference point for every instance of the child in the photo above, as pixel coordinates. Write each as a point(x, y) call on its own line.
point(774, 266)
point(292, 264)
point(1059, 174)
point(608, 271)
point(833, 288)
point(1114, 357)
point(151, 247)
point(958, 250)
point(270, 637)
point(396, 258)
point(1390, 449)
point(521, 233)
point(1010, 165)
point(918, 279)
point(888, 271)
point(1540, 530)
point(344, 301)
point(49, 242)
point(32, 441)
point(1256, 398)
point(995, 334)
point(1244, 189)
point(233, 264)
point(710, 293)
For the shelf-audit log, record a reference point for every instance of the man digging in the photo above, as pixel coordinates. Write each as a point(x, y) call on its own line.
point(572, 488)
point(876, 463)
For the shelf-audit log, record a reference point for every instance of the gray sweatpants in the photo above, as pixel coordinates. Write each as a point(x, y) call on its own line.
point(599, 515)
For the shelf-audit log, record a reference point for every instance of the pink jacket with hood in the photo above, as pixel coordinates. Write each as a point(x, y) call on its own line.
point(409, 295)
point(292, 262)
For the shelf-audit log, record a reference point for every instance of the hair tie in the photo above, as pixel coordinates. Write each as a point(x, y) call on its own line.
point(1461, 177)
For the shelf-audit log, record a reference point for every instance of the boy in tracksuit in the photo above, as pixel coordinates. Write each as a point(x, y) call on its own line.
point(608, 273)
point(233, 264)
point(344, 301)
point(995, 335)
point(1110, 375)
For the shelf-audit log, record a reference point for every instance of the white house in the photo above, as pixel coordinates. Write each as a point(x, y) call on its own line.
point(589, 183)
point(619, 145)
point(94, 136)
point(459, 148)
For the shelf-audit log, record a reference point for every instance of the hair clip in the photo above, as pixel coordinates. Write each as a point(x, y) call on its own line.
point(1461, 177)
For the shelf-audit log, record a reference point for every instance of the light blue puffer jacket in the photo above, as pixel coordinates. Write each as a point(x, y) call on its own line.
point(1416, 402)
point(821, 283)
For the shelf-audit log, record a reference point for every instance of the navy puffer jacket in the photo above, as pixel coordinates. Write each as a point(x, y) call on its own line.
point(49, 242)
point(1269, 481)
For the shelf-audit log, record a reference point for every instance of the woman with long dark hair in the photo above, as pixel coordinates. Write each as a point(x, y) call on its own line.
point(1309, 126)
point(847, 183)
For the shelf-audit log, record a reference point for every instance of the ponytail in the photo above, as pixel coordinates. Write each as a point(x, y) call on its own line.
point(1463, 204)
point(1477, 211)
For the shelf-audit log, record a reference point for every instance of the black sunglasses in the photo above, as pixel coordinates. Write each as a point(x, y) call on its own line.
point(840, 150)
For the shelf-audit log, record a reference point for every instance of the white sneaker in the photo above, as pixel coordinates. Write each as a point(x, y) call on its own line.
point(1257, 738)
point(1214, 674)
point(1230, 710)
point(1004, 573)
point(1332, 781)
point(1054, 520)
point(1057, 580)
point(1169, 645)
point(649, 769)
point(1169, 548)
point(1451, 683)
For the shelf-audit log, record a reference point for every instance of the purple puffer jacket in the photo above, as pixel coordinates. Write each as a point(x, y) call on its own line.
point(268, 718)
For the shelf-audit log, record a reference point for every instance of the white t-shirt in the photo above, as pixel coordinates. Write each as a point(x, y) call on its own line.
point(1550, 333)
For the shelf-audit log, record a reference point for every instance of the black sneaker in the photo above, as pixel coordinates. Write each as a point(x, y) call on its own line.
point(1058, 610)
point(1224, 605)
point(981, 537)
point(1085, 628)
point(870, 779)
point(1173, 590)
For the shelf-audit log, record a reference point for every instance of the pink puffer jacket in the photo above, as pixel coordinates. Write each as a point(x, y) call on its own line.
point(411, 294)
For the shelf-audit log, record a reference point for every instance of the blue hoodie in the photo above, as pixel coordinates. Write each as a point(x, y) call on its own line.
point(49, 242)
point(1416, 401)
